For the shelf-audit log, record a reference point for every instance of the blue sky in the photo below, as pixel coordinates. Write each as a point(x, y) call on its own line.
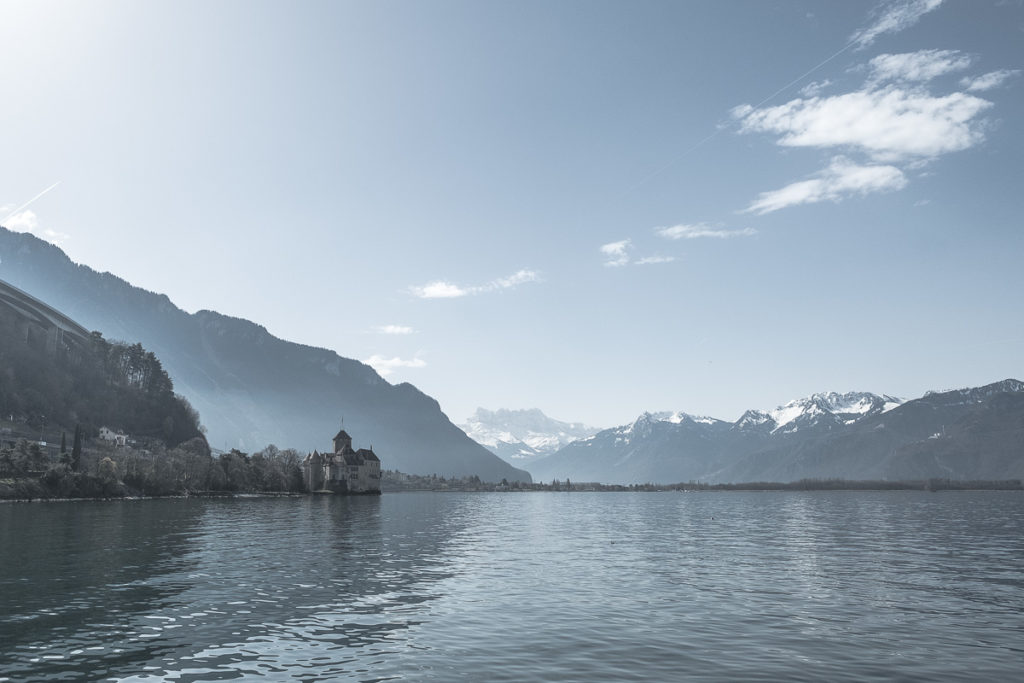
point(594, 208)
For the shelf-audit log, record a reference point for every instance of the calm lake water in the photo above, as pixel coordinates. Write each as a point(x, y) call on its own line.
point(517, 587)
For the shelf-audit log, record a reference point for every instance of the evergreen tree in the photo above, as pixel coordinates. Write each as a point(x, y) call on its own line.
point(65, 457)
point(76, 449)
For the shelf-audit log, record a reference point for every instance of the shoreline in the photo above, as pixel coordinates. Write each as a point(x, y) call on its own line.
point(716, 488)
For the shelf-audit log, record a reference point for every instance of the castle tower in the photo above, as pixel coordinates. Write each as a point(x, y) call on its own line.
point(342, 442)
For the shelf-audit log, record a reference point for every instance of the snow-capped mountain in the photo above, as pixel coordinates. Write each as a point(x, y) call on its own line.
point(827, 409)
point(521, 436)
point(854, 435)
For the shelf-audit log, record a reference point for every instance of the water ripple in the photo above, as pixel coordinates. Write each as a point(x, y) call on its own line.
point(571, 587)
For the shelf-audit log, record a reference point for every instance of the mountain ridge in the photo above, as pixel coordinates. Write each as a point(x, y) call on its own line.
point(875, 434)
point(250, 387)
point(521, 436)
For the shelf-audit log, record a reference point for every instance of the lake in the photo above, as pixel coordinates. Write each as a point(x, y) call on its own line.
point(769, 586)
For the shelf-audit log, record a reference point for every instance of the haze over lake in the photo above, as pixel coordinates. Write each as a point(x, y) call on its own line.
point(591, 292)
point(578, 587)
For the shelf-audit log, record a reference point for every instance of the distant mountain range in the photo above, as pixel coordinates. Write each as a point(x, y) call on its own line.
point(251, 388)
point(964, 434)
point(521, 436)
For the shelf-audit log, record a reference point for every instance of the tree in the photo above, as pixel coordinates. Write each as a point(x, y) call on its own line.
point(76, 449)
point(108, 476)
point(37, 459)
point(65, 457)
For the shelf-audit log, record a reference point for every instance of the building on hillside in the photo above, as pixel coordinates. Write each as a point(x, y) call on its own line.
point(118, 438)
point(345, 470)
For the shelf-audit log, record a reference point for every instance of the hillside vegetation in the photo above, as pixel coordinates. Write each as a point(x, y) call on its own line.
point(93, 384)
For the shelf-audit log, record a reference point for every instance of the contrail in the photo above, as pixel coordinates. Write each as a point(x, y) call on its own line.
point(26, 204)
point(700, 143)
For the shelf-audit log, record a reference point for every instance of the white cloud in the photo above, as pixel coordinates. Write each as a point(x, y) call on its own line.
point(517, 278)
point(895, 17)
point(992, 79)
point(617, 253)
point(695, 231)
point(648, 260)
point(28, 221)
point(888, 124)
point(923, 65)
point(393, 329)
point(438, 290)
point(814, 88)
point(893, 119)
point(442, 289)
point(386, 366)
point(841, 179)
point(10, 212)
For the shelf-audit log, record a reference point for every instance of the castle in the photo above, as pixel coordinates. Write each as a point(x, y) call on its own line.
point(343, 471)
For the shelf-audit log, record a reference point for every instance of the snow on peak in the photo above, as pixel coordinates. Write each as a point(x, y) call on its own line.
point(678, 417)
point(754, 418)
point(522, 433)
point(643, 421)
point(849, 407)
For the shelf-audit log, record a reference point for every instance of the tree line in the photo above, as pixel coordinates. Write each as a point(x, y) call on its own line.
point(105, 471)
point(93, 383)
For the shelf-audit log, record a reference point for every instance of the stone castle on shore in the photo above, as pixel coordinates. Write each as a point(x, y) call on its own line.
point(343, 471)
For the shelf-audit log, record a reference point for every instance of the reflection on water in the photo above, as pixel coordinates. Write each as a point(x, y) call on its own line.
point(753, 586)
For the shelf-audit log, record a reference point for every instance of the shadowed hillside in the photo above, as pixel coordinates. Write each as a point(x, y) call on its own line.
point(251, 388)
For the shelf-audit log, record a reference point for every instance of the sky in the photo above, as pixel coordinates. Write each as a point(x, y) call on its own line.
point(592, 208)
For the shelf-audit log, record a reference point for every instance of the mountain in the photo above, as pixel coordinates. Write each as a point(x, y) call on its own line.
point(521, 436)
point(827, 410)
point(653, 448)
point(964, 434)
point(57, 376)
point(251, 388)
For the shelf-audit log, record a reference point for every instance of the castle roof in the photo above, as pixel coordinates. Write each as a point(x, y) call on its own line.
point(342, 435)
point(368, 454)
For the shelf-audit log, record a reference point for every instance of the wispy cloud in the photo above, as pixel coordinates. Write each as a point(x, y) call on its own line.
point(894, 119)
point(12, 212)
point(393, 329)
point(518, 278)
point(386, 366)
point(442, 289)
point(921, 66)
point(814, 88)
point(893, 18)
point(888, 124)
point(21, 219)
point(27, 221)
point(992, 79)
point(650, 260)
point(698, 230)
point(616, 253)
point(841, 179)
